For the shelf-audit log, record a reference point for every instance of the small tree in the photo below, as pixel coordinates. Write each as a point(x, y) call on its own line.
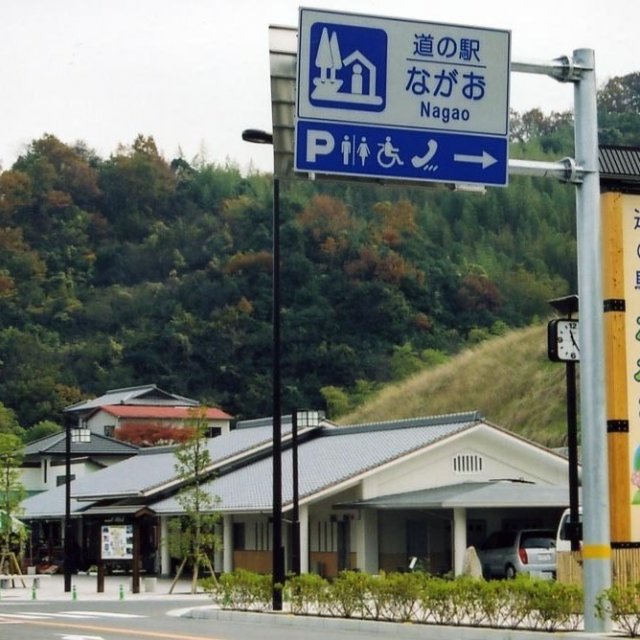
point(12, 493)
point(192, 537)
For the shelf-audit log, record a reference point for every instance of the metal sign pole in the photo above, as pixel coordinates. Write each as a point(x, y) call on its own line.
point(597, 548)
point(581, 171)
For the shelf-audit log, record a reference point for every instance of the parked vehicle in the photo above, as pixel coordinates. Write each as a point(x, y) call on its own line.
point(563, 537)
point(506, 553)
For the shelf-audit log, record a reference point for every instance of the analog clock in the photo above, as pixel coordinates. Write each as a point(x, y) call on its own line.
point(563, 341)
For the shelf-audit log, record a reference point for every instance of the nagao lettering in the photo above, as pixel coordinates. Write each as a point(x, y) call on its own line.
point(471, 86)
point(444, 114)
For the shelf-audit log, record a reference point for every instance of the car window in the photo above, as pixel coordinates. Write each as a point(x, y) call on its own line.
point(538, 540)
point(499, 540)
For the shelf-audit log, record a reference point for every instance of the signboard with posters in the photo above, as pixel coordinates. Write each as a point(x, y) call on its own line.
point(116, 542)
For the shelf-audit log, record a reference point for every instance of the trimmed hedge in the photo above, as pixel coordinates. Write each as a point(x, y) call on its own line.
point(523, 603)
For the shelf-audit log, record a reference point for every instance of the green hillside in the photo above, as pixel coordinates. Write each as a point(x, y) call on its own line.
point(509, 379)
point(136, 269)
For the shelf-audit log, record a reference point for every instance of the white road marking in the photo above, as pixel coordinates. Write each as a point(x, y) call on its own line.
point(102, 614)
point(76, 615)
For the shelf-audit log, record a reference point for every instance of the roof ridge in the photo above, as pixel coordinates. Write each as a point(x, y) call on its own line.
point(423, 421)
point(133, 388)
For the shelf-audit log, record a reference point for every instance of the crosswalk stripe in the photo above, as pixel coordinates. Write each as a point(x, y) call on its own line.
point(77, 615)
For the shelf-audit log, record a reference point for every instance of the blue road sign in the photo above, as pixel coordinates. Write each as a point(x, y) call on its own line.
point(395, 153)
point(395, 99)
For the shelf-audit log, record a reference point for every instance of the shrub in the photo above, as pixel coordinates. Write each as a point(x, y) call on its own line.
point(622, 604)
point(403, 594)
point(241, 590)
point(553, 605)
point(307, 593)
point(349, 593)
point(436, 603)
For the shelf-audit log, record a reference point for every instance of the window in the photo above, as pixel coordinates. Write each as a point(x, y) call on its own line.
point(109, 430)
point(467, 463)
point(326, 536)
point(60, 480)
point(476, 532)
point(214, 432)
point(80, 435)
point(239, 538)
point(262, 536)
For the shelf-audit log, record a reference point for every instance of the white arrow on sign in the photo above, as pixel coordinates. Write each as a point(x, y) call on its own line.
point(486, 159)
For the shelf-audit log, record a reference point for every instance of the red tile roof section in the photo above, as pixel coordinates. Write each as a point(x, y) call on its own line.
point(145, 411)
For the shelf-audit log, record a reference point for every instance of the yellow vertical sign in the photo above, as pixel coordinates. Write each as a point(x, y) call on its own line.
point(624, 462)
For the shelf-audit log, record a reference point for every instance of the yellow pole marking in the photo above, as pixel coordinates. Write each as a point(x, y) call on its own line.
point(596, 552)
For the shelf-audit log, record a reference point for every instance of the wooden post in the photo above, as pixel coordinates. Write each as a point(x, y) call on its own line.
point(100, 578)
point(613, 285)
point(135, 572)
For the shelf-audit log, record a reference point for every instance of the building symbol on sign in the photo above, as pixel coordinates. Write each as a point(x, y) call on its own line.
point(359, 71)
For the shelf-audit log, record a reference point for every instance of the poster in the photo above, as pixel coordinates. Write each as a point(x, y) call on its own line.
point(116, 542)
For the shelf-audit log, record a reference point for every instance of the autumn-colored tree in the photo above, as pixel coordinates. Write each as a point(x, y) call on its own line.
point(151, 434)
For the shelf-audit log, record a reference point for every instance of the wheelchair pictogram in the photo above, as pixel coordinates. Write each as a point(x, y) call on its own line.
point(388, 155)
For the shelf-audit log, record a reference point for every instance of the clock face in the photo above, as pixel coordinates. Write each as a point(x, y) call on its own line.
point(563, 341)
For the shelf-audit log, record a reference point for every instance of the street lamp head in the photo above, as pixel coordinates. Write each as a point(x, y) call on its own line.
point(257, 136)
point(567, 305)
point(309, 418)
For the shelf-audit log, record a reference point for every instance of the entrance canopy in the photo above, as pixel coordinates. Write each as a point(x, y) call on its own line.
point(493, 494)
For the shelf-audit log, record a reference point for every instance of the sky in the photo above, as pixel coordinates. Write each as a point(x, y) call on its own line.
point(194, 73)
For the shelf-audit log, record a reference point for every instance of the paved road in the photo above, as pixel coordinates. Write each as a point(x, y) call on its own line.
point(113, 620)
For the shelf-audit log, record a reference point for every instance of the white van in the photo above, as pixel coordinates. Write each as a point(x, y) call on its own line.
point(563, 542)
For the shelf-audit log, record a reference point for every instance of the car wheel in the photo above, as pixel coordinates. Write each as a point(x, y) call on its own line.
point(510, 572)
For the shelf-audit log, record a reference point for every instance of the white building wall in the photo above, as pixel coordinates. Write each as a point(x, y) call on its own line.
point(99, 420)
point(102, 419)
point(32, 479)
point(488, 453)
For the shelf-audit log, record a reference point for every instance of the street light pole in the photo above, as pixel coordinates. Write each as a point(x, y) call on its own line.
point(295, 513)
point(277, 560)
point(67, 510)
point(278, 551)
point(575, 533)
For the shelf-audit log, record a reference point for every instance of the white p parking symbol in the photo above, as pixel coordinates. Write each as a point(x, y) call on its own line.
point(319, 143)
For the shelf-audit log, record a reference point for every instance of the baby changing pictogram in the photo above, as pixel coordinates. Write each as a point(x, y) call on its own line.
point(348, 67)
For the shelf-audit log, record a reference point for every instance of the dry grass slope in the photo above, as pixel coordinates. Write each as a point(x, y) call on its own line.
point(509, 379)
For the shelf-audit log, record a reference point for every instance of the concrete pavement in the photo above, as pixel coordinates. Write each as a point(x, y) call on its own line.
point(51, 588)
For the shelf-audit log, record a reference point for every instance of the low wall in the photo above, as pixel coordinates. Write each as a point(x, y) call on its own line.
point(625, 566)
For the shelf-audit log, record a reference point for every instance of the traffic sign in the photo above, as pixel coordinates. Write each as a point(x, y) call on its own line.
point(390, 98)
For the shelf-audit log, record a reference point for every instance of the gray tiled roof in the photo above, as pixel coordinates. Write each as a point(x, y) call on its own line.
point(55, 444)
point(619, 165)
point(153, 468)
point(48, 504)
point(146, 394)
point(335, 456)
point(327, 456)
